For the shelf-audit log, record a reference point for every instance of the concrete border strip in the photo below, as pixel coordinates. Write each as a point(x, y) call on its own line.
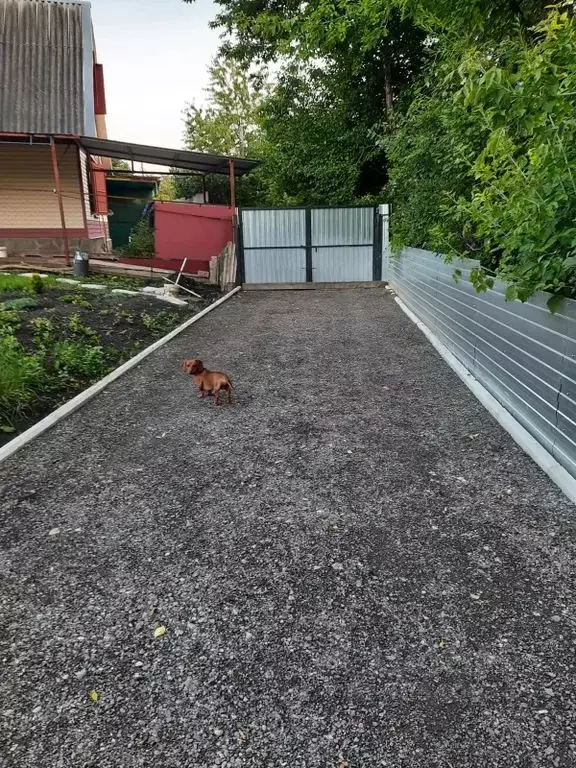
point(81, 399)
point(517, 432)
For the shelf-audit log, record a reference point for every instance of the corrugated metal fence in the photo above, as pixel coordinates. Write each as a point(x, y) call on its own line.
point(305, 245)
point(522, 354)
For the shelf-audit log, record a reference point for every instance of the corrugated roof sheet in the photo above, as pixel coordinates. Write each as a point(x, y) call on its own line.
point(201, 162)
point(41, 67)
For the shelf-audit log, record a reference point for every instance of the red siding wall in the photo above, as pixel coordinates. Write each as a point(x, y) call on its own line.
point(198, 232)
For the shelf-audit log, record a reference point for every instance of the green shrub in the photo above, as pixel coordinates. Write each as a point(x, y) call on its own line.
point(43, 330)
point(74, 361)
point(160, 323)
point(9, 322)
point(77, 299)
point(36, 283)
point(22, 380)
point(141, 240)
point(21, 304)
point(77, 328)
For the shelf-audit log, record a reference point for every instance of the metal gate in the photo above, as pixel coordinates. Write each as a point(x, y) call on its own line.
point(310, 245)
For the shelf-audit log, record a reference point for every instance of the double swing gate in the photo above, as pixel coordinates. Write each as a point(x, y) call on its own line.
point(311, 245)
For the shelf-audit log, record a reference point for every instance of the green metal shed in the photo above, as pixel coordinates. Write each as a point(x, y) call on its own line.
point(127, 198)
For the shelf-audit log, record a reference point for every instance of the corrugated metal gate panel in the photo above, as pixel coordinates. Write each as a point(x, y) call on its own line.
point(295, 245)
point(274, 245)
point(342, 242)
point(342, 264)
point(342, 226)
point(275, 265)
point(274, 228)
point(523, 355)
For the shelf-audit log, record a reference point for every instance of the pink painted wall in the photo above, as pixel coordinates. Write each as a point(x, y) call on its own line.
point(198, 232)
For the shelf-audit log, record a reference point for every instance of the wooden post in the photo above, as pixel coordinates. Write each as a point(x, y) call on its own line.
point(204, 188)
point(56, 172)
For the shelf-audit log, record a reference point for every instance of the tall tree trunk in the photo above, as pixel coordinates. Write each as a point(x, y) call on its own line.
point(389, 97)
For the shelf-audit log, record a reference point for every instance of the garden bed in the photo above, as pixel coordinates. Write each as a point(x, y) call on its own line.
point(57, 338)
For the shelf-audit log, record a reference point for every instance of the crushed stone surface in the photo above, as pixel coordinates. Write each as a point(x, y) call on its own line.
point(351, 567)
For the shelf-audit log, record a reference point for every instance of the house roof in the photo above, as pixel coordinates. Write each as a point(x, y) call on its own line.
point(173, 158)
point(46, 67)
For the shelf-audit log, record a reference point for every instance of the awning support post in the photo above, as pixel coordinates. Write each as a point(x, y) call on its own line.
point(56, 172)
point(232, 184)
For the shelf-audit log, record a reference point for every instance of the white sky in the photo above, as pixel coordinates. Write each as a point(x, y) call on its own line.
point(155, 55)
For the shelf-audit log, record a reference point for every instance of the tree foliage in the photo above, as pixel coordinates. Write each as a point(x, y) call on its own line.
point(228, 124)
point(459, 112)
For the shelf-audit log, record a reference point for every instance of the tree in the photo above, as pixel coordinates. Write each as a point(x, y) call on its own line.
point(227, 125)
point(120, 165)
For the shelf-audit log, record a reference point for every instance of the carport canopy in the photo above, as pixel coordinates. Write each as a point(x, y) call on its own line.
point(199, 162)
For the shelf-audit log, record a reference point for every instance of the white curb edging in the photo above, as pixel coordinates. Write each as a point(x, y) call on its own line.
point(517, 432)
point(78, 401)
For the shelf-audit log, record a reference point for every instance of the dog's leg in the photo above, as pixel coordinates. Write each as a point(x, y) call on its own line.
point(216, 397)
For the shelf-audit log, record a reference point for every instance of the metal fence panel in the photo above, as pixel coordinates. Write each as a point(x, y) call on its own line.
point(522, 354)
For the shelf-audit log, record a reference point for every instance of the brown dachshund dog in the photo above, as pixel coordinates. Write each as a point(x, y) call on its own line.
point(208, 382)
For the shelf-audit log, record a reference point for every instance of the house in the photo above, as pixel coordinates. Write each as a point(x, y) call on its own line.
point(52, 192)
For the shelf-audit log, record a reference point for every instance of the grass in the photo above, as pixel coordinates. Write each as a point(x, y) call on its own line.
point(30, 285)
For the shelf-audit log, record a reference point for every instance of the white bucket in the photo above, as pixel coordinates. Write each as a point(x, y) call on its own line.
point(3, 252)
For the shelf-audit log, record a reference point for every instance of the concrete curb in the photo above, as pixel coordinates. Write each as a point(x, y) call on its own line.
point(81, 399)
point(517, 432)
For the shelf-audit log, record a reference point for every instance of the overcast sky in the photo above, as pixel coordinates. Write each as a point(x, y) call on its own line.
point(155, 55)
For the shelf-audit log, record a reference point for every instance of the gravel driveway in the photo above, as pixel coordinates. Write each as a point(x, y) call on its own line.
point(354, 566)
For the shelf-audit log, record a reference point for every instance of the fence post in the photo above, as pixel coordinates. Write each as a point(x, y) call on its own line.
point(384, 216)
point(377, 247)
point(308, 231)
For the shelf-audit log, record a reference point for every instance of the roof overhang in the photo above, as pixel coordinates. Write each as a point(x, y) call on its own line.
point(198, 162)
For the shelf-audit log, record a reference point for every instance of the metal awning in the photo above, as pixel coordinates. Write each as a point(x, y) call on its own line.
point(199, 162)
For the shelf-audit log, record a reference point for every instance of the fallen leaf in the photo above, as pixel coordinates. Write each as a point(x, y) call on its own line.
point(476, 597)
point(54, 532)
point(94, 695)
point(159, 631)
point(242, 738)
point(7, 429)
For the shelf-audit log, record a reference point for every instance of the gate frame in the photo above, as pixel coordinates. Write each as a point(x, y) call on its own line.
point(377, 231)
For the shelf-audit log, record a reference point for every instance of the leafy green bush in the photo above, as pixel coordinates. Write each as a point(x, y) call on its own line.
point(159, 323)
point(77, 299)
point(22, 381)
point(484, 162)
point(9, 322)
point(141, 240)
point(20, 304)
point(75, 361)
point(36, 283)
